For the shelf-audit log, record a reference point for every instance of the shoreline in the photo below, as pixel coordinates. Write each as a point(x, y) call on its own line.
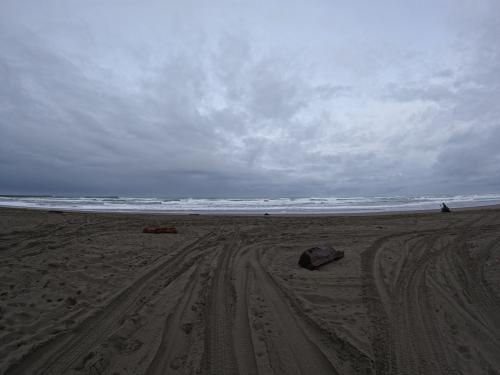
point(215, 213)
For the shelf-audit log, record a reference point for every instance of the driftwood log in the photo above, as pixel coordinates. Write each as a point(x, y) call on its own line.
point(445, 208)
point(317, 256)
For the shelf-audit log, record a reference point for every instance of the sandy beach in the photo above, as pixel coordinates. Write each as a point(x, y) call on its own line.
point(88, 293)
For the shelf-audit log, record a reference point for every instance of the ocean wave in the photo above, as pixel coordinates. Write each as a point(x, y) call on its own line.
point(277, 205)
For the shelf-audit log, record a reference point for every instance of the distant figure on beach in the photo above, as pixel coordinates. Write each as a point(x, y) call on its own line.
point(445, 208)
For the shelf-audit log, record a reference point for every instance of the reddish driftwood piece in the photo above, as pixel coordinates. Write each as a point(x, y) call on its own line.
point(159, 230)
point(317, 256)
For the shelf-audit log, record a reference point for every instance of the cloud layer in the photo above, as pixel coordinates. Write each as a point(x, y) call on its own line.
point(249, 99)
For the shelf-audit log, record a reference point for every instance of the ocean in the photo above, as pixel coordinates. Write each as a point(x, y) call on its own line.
point(305, 205)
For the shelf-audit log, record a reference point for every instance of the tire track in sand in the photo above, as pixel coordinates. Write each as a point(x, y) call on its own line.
point(220, 357)
point(264, 329)
point(170, 355)
point(243, 336)
point(60, 355)
point(404, 315)
point(294, 350)
point(326, 352)
point(412, 345)
point(174, 354)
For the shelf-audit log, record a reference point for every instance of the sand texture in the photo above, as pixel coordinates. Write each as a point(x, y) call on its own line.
point(85, 293)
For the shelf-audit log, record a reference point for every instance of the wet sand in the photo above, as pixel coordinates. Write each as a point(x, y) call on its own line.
point(88, 293)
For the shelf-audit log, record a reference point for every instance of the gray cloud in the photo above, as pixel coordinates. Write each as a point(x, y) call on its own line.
point(296, 99)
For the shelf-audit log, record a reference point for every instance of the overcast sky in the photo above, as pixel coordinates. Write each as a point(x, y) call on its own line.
point(249, 98)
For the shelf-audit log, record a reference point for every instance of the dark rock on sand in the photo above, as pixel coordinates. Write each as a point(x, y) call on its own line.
point(317, 256)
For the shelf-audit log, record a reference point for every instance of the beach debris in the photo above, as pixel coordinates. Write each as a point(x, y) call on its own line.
point(317, 256)
point(159, 230)
point(445, 208)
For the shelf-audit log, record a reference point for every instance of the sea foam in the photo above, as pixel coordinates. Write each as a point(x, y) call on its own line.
point(250, 205)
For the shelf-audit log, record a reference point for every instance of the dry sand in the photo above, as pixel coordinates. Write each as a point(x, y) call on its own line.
point(89, 293)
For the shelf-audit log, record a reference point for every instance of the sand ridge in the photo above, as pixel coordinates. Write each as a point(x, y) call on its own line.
point(86, 293)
